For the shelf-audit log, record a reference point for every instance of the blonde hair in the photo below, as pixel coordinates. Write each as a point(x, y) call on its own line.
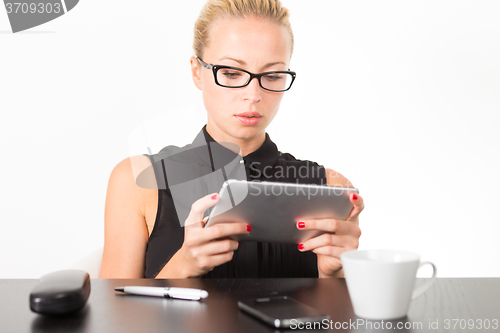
point(271, 10)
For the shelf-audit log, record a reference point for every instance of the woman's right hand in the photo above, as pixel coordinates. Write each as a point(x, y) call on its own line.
point(203, 248)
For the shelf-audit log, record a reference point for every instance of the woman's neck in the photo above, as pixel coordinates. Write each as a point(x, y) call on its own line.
point(247, 146)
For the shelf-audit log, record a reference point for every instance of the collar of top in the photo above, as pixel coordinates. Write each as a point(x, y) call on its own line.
point(264, 156)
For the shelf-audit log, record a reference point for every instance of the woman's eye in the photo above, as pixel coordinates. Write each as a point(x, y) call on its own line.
point(273, 77)
point(231, 75)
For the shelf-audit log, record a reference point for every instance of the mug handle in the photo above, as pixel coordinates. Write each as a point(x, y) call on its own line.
point(423, 288)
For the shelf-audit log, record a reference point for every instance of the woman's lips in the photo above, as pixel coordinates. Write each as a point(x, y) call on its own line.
point(248, 118)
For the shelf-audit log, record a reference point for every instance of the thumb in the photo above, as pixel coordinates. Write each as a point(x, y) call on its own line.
point(204, 221)
point(358, 204)
point(199, 207)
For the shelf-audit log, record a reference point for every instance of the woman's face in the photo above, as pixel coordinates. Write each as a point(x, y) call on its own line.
point(257, 46)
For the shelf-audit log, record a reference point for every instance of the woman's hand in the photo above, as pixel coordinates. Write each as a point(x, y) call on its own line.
point(340, 236)
point(203, 248)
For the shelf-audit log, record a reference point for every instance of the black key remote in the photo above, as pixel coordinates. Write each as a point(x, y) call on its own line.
point(61, 292)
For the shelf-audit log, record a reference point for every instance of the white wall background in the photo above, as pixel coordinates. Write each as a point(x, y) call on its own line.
point(402, 97)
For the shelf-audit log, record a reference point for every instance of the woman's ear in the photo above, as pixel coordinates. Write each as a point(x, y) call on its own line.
point(196, 72)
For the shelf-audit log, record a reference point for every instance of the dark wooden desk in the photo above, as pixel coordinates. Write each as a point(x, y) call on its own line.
point(449, 299)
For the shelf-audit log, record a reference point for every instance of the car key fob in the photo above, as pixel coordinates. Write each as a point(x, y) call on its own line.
point(61, 292)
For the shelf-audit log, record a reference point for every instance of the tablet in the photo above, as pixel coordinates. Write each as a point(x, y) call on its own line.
point(273, 209)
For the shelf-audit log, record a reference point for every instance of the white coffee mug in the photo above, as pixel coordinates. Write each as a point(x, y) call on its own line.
point(381, 282)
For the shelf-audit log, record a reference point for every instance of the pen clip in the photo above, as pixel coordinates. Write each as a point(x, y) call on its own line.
point(179, 293)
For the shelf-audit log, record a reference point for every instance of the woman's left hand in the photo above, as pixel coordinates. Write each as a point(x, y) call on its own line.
point(340, 236)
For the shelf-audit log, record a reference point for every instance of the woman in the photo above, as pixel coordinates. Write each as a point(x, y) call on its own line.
point(143, 233)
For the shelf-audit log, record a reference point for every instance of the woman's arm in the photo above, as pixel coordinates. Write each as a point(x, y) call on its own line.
point(341, 236)
point(126, 234)
point(125, 229)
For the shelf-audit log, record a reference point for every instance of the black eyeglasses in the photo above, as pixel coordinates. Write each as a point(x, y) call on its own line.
point(233, 77)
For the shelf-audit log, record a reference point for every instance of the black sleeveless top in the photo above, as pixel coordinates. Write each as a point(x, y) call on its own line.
point(251, 259)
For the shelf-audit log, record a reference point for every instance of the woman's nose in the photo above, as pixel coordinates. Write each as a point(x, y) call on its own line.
point(252, 92)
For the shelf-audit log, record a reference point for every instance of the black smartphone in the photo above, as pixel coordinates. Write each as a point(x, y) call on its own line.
point(281, 311)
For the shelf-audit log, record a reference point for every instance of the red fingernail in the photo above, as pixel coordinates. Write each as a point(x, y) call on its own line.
point(214, 196)
point(302, 225)
point(300, 246)
point(354, 197)
point(249, 228)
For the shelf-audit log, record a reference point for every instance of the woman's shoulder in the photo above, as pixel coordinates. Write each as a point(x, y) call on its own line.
point(335, 178)
point(135, 172)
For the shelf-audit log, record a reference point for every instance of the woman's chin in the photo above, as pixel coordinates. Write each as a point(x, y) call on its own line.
point(249, 133)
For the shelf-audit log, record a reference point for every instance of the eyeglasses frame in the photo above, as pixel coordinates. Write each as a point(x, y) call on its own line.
point(215, 68)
